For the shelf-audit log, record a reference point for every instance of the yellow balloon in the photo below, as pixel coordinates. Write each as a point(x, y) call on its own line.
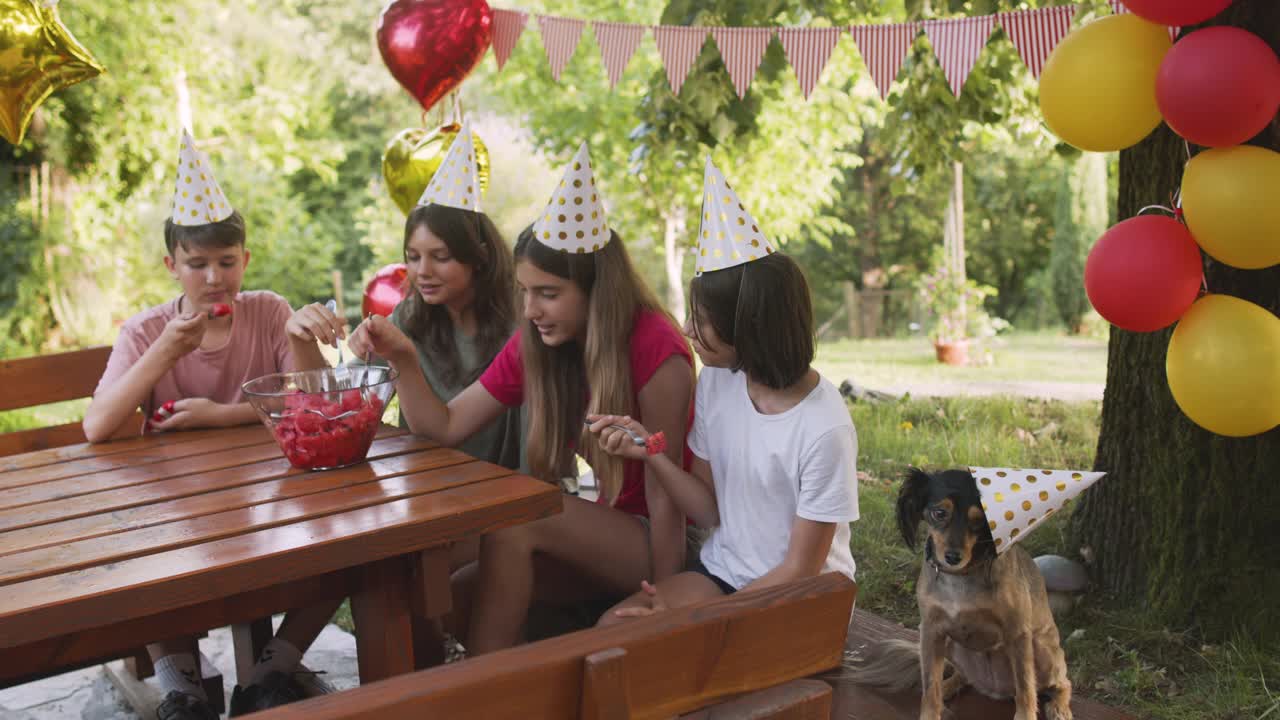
point(1098, 88)
point(1231, 199)
point(38, 56)
point(412, 157)
point(1224, 366)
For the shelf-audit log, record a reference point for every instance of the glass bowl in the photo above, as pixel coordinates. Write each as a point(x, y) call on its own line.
point(323, 419)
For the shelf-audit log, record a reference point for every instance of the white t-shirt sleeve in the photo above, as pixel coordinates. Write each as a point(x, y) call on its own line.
point(697, 438)
point(829, 478)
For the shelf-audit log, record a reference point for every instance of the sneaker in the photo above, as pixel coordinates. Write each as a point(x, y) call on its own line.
point(178, 705)
point(276, 689)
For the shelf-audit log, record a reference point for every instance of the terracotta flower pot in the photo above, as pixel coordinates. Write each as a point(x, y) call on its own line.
point(952, 353)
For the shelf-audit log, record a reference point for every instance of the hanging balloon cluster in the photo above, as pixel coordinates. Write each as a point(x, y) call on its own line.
point(38, 57)
point(1105, 88)
point(429, 46)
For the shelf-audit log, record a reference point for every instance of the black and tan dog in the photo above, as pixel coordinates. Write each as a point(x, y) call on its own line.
point(986, 613)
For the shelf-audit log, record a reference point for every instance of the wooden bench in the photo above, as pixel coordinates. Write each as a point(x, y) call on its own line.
point(743, 651)
point(43, 379)
point(854, 702)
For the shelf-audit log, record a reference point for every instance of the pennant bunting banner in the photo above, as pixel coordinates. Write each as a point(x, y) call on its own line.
point(507, 27)
point(957, 43)
point(808, 50)
point(883, 49)
point(679, 46)
point(560, 38)
point(1035, 33)
point(742, 50)
point(618, 42)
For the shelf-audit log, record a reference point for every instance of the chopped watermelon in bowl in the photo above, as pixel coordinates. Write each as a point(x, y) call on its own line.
point(323, 419)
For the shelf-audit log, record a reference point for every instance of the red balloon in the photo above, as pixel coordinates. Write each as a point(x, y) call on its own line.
point(1177, 13)
point(431, 45)
point(1144, 273)
point(1219, 86)
point(385, 290)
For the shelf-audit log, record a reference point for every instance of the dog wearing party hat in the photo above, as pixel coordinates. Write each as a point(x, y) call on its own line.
point(983, 606)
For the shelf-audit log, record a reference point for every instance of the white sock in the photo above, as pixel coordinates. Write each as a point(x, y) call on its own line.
point(181, 672)
point(278, 656)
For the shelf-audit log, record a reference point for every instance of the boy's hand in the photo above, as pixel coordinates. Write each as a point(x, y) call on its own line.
point(656, 603)
point(615, 441)
point(183, 334)
point(379, 336)
point(315, 323)
point(193, 413)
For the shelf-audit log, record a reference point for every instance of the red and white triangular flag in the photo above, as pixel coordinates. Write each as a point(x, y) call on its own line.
point(958, 43)
point(808, 50)
point(883, 49)
point(618, 42)
point(1035, 33)
point(560, 38)
point(678, 45)
point(507, 27)
point(742, 49)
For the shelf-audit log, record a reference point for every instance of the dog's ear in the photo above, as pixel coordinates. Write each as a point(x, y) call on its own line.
point(912, 498)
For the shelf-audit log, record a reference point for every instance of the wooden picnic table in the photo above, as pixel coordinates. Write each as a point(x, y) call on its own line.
point(104, 548)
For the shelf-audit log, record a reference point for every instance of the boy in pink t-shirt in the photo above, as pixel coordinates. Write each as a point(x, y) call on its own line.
point(202, 381)
point(187, 359)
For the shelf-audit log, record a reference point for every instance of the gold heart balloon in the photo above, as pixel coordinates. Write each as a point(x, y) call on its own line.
point(412, 157)
point(38, 56)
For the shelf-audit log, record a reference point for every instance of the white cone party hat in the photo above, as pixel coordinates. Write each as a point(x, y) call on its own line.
point(456, 183)
point(574, 220)
point(729, 235)
point(197, 199)
point(1016, 500)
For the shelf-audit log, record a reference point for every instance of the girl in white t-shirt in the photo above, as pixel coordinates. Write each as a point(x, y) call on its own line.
point(774, 468)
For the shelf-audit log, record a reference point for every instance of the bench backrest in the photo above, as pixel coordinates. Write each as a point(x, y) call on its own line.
point(656, 667)
point(42, 379)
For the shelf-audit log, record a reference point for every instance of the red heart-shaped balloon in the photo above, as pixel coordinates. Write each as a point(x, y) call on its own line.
point(431, 45)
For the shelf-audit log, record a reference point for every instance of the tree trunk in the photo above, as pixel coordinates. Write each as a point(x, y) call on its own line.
point(1185, 524)
point(672, 235)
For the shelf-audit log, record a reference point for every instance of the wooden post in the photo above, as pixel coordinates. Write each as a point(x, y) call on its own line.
point(45, 198)
point(184, 100)
point(33, 175)
point(953, 234)
point(851, 307)
point(337, 293)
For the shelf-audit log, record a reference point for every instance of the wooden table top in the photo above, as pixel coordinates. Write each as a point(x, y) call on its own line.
point(93, 535)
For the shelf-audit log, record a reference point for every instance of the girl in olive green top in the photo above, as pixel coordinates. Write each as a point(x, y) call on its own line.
point(457, 314)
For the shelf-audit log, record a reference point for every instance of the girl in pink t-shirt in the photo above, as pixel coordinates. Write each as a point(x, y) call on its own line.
point(595, 340)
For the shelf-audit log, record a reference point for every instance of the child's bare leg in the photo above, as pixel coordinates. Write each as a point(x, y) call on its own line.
point(177, 664)
point(682, 589)
point(283, 653)
point(607, 547)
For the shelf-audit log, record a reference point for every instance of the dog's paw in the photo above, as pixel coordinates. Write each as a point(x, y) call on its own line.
point(1057, 711)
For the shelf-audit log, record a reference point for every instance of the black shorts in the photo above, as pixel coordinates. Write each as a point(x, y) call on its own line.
point(697, 567)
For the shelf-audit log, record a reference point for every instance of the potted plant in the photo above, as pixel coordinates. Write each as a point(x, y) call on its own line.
point(956, 312)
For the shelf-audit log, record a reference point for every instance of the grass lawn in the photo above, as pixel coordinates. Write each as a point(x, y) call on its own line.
point(1023, 357)
point(1116, 655)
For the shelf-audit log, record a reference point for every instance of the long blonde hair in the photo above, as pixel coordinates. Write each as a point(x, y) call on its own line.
point(557, 378)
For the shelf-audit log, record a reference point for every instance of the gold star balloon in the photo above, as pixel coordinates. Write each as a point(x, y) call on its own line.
point(38, 56)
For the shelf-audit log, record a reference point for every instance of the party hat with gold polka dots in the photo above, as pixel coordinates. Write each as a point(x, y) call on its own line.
point(1017, 500)
point(197, 200)
point(456, 183)
point(729, 236)
point(574, 220)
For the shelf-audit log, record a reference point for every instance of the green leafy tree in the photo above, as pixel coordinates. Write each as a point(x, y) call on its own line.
point(1081, 218)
